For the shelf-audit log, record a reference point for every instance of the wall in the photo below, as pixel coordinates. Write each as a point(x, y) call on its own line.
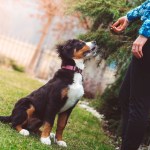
point(97, 78)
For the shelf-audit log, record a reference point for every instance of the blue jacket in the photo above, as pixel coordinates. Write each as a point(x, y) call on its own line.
point(142, 12)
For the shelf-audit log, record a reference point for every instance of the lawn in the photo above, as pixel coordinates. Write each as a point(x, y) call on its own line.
point(83, 131)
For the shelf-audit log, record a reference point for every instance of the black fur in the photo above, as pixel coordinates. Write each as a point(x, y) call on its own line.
point(5, 119)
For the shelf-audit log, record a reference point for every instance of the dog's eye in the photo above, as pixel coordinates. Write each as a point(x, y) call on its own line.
point(79, 46)
point(82, 44)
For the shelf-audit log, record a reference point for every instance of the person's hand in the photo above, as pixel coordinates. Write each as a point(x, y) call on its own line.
point(120, 25)
point(138, 45)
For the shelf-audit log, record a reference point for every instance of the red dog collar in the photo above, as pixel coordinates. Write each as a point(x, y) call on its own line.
point(73, 68)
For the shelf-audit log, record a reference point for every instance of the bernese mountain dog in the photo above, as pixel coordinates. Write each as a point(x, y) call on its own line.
point(58, 96)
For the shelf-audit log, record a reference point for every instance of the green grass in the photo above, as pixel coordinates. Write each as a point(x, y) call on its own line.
point(83, 131)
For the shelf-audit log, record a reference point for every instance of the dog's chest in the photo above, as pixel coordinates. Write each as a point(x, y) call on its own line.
point(75, 92)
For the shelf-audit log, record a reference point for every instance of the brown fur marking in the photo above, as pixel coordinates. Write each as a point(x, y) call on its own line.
point(61, 123)
point(79, 54)
point(64, 93)
point(46, 130)
point(30, 111)
point(19, 128)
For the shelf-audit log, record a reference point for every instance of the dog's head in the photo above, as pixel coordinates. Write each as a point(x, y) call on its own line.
point(76, 49)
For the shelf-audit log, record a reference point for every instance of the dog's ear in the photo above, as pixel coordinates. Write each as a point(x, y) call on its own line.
point(60, 50)
point(66, 50)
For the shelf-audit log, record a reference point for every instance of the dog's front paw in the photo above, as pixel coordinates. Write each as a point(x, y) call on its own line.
point(24, 132)
point(61, 143)
point(46, 141)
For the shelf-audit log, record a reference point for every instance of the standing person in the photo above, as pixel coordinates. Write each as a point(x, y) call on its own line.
point(135, 89)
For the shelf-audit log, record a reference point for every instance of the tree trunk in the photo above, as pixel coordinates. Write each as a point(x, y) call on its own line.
point(36, 55)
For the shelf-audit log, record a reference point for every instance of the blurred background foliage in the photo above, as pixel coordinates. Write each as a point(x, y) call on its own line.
point(113, 48)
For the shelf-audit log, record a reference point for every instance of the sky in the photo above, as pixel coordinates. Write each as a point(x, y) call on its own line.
point(18, 19)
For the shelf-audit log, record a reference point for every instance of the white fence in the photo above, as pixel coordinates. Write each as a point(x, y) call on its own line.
point(22, 52)
point(17, 50)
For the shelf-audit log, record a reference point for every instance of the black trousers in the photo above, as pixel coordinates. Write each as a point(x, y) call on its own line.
point(135, 100)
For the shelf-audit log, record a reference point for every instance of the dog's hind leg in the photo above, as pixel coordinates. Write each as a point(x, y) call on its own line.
point(20, 119)
point(34, 125)
point(22, 131)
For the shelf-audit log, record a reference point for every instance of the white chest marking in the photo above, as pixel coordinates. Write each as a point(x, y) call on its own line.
point(75, 92)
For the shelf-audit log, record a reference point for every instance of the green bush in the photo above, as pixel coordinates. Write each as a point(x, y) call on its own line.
point(17, 67)
point(9, 63)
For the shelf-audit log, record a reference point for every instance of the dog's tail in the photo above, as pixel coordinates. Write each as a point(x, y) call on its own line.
point(5, 119)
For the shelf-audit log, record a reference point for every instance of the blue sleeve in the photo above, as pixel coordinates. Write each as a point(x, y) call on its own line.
point(142, 12)
point(145, 28)
point(137, 12)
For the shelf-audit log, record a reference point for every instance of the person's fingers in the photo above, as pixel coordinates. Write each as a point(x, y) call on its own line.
point(140, 50)
point(124, 25)
point(139, 47)
point(116, 23)
point(120, 28)
point(136, 54)
point(135, 51)
point(134, 47)
point(114, 29)
point(117, 29)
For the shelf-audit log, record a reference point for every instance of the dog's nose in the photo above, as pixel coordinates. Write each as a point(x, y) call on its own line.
point(94, 42)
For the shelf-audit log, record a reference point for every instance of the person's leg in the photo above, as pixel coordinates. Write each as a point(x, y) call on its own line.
point(139, 103)
point(137, 123)
point(124, 96)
